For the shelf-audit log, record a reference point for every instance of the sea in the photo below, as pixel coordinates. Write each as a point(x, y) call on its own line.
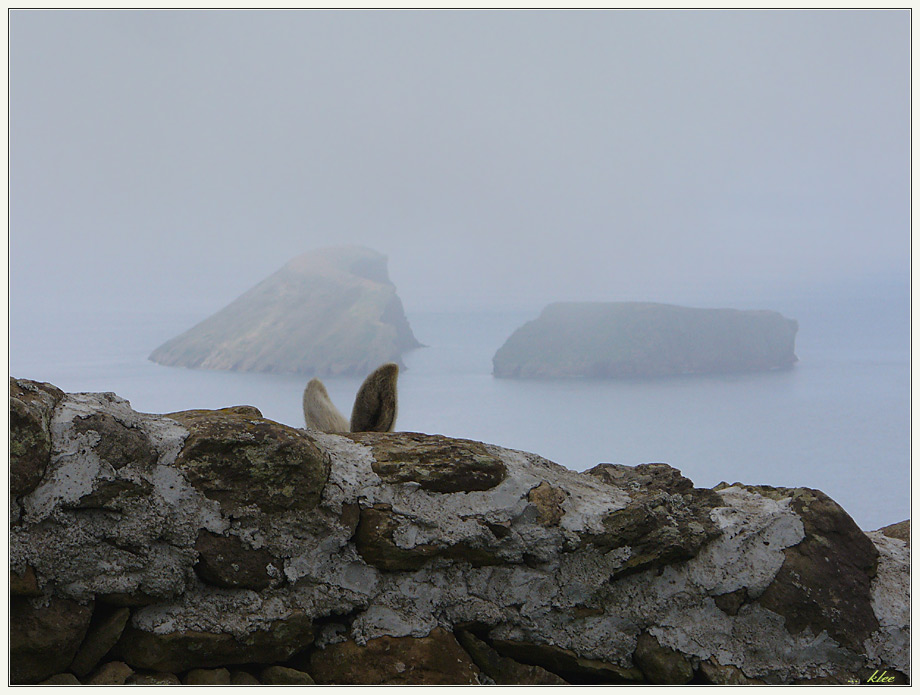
point(838, 421)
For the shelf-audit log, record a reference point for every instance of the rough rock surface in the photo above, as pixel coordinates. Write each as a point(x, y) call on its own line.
point(104, 631)
point(224, 542)
point(435, 659)
point(643, 339)
point(112, 673)
point(31, 405)
point(900, 530)
point(331, 311)
point(282, 675)
point(44, 636)
point(501, 669)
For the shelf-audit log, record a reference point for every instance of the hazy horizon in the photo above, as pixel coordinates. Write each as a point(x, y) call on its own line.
point(165, 160)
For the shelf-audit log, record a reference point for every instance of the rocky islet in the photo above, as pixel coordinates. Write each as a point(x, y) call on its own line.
point(328, 312)
point(613, 340)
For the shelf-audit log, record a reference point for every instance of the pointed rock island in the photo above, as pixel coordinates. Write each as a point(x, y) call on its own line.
point(645, 339)
point(329, 312)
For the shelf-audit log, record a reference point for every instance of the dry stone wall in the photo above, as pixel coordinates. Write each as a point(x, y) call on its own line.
point(221, 547)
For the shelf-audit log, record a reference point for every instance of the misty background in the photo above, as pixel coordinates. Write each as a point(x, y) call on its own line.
point(164, 162)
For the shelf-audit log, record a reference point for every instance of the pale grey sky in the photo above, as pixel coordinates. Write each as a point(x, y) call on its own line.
point(176, 158)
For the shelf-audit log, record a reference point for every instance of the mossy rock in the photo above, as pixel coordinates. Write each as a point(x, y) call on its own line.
point(45, 636)
point(437, 659)
point(179, 651)
point(435, 462)
point(667, 520)
point(244, 461)
point(374, 539)
point(566, 663)
point(825, 581)
point(31, 406)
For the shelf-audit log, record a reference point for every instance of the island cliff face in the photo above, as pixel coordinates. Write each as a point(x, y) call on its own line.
point(328, 312)
point(639, 339)
point(221, 547)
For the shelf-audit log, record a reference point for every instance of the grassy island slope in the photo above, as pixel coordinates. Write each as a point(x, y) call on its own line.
point(328, 312)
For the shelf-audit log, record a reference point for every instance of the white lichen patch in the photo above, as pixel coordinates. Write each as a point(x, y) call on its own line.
point(889, 646)
point(351, 476)
point(381, 619)
point(749, 551)
point(206, 609)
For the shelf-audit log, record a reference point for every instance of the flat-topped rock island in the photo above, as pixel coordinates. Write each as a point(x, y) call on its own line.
point(645, 339)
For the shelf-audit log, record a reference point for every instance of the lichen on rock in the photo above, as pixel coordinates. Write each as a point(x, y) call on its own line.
point(249, 464)
point(222, 541)
point(31, 405)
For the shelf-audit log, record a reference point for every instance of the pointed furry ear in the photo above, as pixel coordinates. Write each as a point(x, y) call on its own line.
point(319, 412)
point(375, 404)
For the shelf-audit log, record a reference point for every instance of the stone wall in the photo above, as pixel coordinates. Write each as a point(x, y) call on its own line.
point(218, 546)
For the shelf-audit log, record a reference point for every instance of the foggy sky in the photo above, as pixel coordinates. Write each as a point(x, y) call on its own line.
point(175, 158)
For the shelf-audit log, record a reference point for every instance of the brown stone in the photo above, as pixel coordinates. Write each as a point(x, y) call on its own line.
point(433, 660)
point(176, 652)
point(374, 540)
point(227, 562)
point(24, 583)
point(566, 663)
point(900, 530)
point(667, 521)
point(825, 580)
point(435, 462)
point(244, 410)
point(501, 669)
point(242, 461)
point(103, 633)
point(44, 636)
point(134, 599)
point(548, 501)
point(61, 679)
point(112, 493)
point(647, 477)
point(208, 676)
point(713, 672)
point(731, 602)
point(351, 515)
point(281, 675)
point(156, 678)
point(31, 407)
point(243, 678)
point(112, 673)
point(661, 665)
point(118, 444)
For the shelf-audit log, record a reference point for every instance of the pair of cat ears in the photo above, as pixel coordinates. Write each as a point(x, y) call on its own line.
point(374, 410)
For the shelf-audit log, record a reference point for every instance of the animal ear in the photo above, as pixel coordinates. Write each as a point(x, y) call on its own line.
point(375, 404)
point(319, 412)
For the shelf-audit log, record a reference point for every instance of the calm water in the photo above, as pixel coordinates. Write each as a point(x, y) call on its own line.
point(839, 421)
